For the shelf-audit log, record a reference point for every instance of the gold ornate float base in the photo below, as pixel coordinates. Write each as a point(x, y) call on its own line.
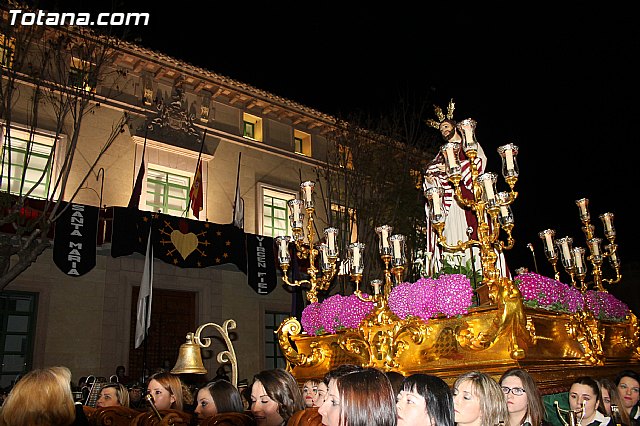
point(553, 347)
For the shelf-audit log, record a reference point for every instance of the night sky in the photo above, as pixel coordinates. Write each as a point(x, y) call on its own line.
point(556, 81)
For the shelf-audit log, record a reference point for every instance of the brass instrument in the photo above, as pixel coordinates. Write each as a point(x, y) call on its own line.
point(574, 420)
point(152, 404)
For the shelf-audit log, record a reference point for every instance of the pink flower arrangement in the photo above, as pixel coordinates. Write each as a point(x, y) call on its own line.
point(543, 292)
point(449, 295)
point(453, 295)
point(605, 306)
point(334, 313)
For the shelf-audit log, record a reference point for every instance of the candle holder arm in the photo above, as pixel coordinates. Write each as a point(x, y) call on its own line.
point(294, 283)
point(460, 246)
point(616, 280)
point(461, 199)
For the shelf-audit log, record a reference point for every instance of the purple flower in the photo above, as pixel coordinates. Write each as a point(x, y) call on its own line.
point(450, 295)
point(605, 306)
point(543, 292)
point(334, 313)
point(400, 299)
point(310, 319)
point(453, 294)
point(354, 311)
point(330, 311)
point(423, 299)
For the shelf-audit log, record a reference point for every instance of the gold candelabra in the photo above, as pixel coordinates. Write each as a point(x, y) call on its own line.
point(391, 248)
point(326, 251)
point(573, 258)
point(491, 209)
point(392, 252)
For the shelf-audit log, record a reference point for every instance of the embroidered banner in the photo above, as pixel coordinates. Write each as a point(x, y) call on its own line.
point(182, 242)
point(74, 243)
point(261, 273)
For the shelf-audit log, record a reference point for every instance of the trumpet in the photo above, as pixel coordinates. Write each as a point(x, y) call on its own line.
point(151, 402)
point(574, 420)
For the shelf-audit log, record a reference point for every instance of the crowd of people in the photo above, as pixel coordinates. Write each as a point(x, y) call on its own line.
point(348, 395)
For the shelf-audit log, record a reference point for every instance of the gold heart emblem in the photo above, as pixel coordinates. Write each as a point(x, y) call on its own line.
point(185, 243)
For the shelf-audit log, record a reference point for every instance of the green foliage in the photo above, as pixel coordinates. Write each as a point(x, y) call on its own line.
point(451, 265)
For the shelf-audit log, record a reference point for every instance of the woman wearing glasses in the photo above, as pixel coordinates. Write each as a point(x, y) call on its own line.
point(523, 398)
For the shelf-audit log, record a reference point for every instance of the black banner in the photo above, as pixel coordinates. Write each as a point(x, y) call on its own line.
point(261, 261)
point(74, 244)
point(182, 242)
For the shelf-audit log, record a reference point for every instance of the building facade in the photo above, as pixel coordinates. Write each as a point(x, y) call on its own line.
point(176, 114)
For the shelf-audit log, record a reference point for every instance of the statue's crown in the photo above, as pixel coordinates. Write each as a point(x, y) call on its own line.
point(440, 115)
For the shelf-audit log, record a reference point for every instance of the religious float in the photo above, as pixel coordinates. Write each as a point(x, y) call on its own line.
point(556, 331)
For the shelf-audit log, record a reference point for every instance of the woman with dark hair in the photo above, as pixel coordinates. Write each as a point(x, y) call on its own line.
point(396, 379)
point(310, 392)
point(611, 398)
point(628, 383)
point(218, 396)
point(524, 402)
point(275, 396)
point(479, 401)
point(584, 395)
point(424, 400)
point(360, 398)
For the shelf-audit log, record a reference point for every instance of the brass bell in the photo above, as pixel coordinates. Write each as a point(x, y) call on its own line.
point(189, 358)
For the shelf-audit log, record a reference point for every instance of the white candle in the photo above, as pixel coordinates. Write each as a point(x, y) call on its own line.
point(578, 259)
point(582, 204)
point(284, 248)
point(488, 189)
point(296, 211)
point(307, 193)
point(508, 155)
point(396, 249)
point(504, 211)
point(565, 250)
point(437, 206)
point(384, 235)
point(331, 241)
point(547, 238)
point(450, 158)
point(376, 287)
point(607, 222)
point(356, 257)
point(594, 249)
point(325, 252)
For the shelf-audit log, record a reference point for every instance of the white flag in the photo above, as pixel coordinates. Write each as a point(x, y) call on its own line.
point(143, 317)
point(238, 210)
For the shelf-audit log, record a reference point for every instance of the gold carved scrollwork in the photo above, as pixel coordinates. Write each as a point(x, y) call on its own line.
point(291, 327)
point(385, 346)
point(531, 328)
point(634, 341)
point(585, 329)
point(356, 345)
point(509, 321)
